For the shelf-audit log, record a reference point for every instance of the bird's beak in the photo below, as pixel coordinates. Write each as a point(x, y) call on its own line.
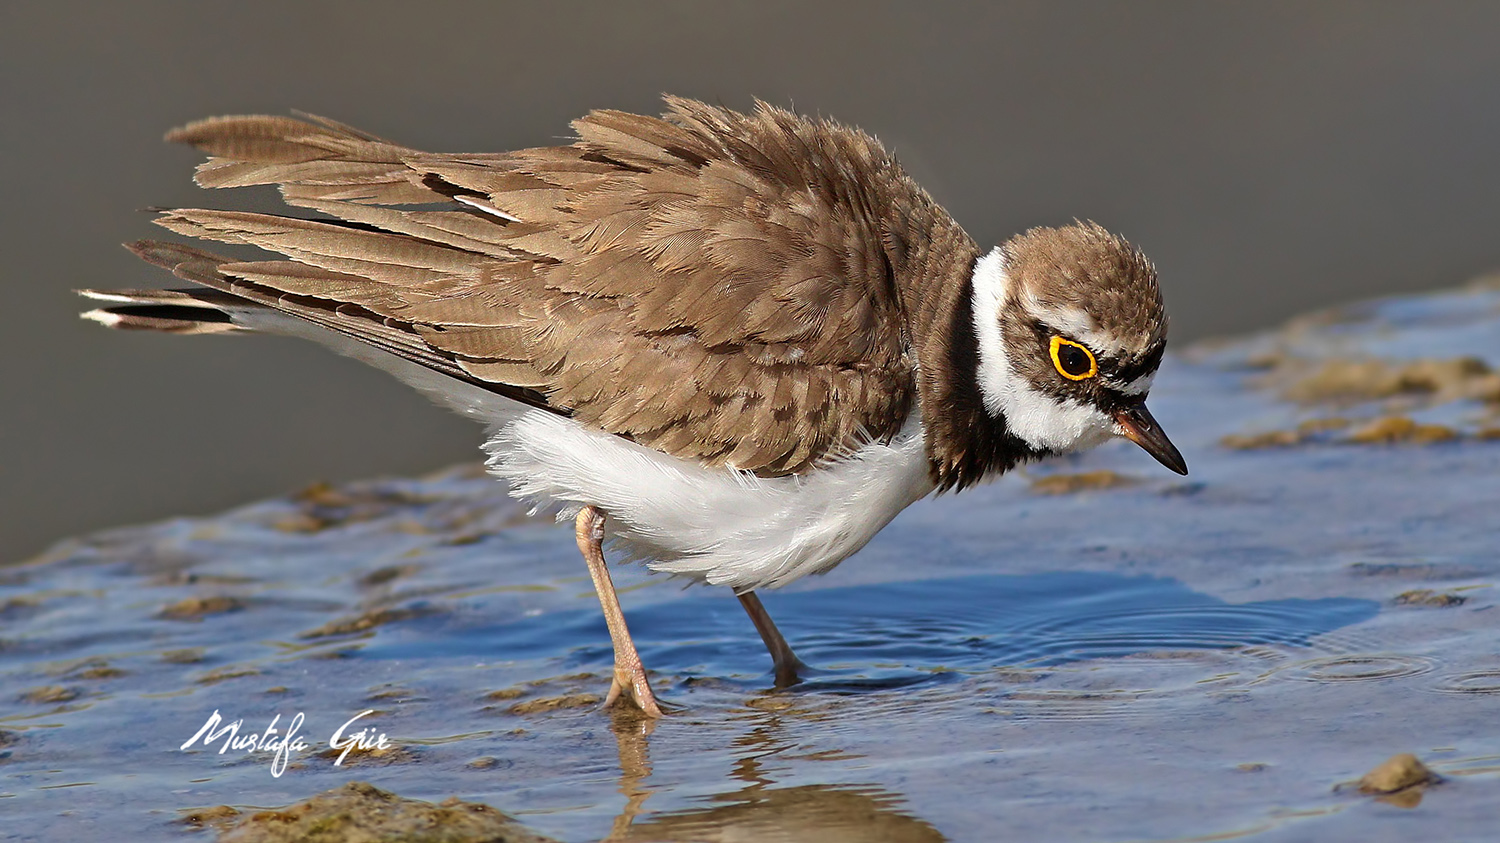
point(1137, 425)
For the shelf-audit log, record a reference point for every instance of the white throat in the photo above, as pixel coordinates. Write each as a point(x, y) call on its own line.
point(1039, 419)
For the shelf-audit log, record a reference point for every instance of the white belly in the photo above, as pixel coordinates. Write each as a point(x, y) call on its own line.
point(723, 526)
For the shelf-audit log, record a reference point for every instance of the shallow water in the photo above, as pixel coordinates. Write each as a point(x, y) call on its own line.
point(1210, 657)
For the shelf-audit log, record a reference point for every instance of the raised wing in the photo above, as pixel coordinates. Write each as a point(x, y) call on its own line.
point(712, 284)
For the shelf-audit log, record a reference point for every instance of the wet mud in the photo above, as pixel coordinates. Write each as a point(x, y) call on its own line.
point(1090, 649)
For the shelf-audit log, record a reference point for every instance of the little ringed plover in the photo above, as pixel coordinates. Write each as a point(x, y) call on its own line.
point(735, 345)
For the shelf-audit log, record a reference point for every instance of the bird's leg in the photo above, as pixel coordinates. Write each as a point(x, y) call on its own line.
point(630, 675)
point(787, 663)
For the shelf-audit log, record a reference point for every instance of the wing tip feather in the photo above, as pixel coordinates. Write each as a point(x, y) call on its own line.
point(168, 255)
point(148, 320)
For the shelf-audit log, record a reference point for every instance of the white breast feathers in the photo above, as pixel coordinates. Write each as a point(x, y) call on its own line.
point(724, 526)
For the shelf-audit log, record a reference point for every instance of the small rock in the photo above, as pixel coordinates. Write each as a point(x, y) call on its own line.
point(464, 538)
point(89, 669)
point(1398, 772)
point(187, 655)
point(226, 672)
point(219, 817)
point(1066, 484)
point(771, 703)
point(393, 694)
point(1257, 441)
point(49, 694)
point(360, 623)
point(1393, 429)
point(1428, 597)
point(545, 704)
point(381, 576)
point(195, 608)
point(1324, 424)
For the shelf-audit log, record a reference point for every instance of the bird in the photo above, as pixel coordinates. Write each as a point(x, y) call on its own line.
point(731, 345)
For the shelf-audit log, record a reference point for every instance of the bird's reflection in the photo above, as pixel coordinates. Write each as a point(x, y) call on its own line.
point(759, 810)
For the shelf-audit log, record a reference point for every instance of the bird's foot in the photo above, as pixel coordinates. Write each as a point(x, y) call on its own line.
point(789, 671)
point(630, 686)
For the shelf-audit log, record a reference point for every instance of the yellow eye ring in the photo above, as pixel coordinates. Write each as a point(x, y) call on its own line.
point(1073, 367)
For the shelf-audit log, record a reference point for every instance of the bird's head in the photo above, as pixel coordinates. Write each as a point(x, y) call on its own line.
point(1071, 330)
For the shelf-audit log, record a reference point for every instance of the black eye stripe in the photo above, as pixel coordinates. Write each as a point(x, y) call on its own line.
point(1128, 370)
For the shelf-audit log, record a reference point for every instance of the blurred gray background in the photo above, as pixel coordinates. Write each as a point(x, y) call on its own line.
point(1270, 157)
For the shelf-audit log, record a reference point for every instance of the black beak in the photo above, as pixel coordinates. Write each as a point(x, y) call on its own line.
point(1139, 427)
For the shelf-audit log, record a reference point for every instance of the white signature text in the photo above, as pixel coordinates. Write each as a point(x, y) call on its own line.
point(282, 744)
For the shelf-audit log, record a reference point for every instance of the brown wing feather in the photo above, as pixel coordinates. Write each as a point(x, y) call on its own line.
point(323, 307)
point(711, 284)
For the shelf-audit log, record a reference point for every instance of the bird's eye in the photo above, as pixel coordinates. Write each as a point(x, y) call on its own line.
point(1072, 360)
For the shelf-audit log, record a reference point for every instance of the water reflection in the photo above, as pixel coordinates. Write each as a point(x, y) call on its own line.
point(758, 811)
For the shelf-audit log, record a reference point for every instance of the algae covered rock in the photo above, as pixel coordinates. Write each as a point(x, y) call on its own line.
point(359, 812)
point(1398, 772)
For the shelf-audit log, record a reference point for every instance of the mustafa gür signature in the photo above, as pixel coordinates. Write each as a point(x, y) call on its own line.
point(283, 744)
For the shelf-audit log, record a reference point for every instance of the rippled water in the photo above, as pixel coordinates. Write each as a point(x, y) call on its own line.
point(1167, 659)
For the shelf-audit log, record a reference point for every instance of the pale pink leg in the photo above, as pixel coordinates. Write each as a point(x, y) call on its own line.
point(630, 675)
